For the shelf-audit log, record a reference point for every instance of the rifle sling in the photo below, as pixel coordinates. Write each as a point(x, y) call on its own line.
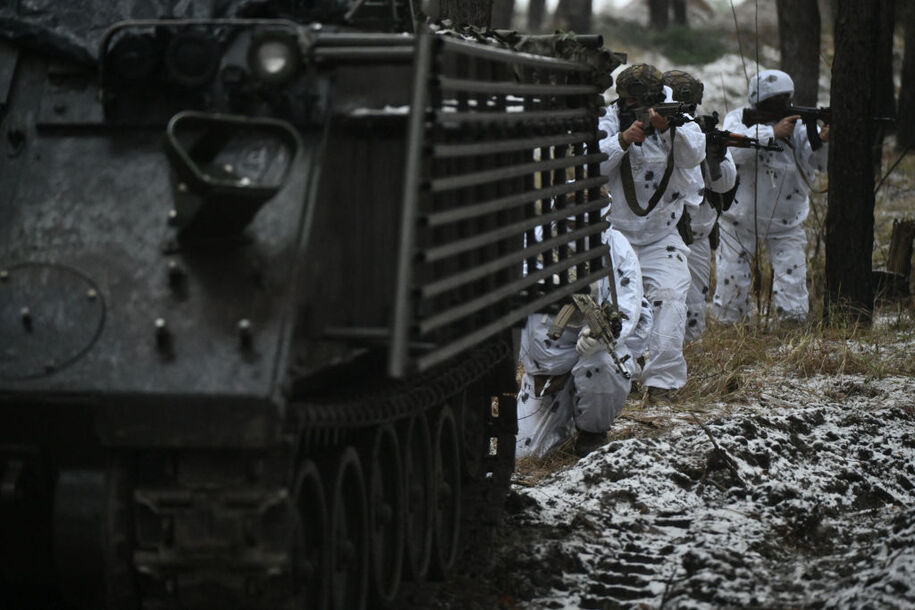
point(801, 171)
point(715, 199)
point(629, 186)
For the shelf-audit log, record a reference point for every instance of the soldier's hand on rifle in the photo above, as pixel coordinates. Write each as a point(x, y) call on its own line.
point(658, 121)
point(824, 133)
point(634, 135)
point(586, 344)
point(785, 127)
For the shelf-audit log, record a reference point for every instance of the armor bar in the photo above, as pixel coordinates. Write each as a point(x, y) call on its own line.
point(503, 218)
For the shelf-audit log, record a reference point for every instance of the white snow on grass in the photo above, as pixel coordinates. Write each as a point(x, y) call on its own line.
point(795, 500)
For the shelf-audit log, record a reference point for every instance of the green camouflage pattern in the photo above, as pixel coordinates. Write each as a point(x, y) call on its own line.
point(686, 89)
point(642, 82)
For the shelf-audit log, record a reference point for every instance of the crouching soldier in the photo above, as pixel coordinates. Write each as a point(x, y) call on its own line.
point(573, 382)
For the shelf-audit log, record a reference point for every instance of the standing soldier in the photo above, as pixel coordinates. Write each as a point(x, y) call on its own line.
point(650, 168)
point(771, 202)
point(701, 221)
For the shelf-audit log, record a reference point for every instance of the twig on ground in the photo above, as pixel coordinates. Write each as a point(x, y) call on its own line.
point(638, 420)
point(728, 460)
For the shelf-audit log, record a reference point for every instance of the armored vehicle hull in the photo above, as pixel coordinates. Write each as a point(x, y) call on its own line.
point(257, 285)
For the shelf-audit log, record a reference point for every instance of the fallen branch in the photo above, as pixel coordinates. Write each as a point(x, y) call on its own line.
point(728, 460)
point(644, 422)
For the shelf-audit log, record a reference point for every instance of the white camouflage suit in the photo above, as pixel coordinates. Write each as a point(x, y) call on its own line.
point(655, 239)
point(775, 213)
point(702, 221)
point(595, 391)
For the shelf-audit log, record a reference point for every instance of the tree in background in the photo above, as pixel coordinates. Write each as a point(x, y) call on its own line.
point(905, 128)
point(574, 15)
point(502, 13)
point(850, 213)
point(659, 13)
point(536, 9)
point(799, 43)
point(884, 89)
point(679, 7)
point(470, 12)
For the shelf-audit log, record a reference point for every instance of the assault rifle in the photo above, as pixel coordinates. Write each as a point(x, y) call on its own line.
point(605, 323)
point(809, 115)
point(717, 140)
point(676, 114)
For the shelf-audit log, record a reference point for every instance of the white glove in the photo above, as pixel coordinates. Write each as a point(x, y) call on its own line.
point(586, 344)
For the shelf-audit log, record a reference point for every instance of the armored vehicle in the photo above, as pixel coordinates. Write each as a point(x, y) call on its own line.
point(258, 275)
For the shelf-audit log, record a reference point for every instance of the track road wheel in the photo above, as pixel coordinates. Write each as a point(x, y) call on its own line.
point(386, 515)
point(474, 426)
point(312, 566)
point(447, 480)
point(120, 585)
point(349, 534)
point(419, 499)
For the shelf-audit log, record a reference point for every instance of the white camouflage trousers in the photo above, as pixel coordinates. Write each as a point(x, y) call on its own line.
point(787, 254)
point(700, 268)
point(665, 275)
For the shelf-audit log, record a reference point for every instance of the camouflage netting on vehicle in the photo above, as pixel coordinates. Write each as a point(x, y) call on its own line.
point(566, 45)
point(74, 28)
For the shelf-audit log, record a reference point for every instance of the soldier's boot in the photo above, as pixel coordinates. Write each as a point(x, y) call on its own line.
point(586, 442)
point(659, 396)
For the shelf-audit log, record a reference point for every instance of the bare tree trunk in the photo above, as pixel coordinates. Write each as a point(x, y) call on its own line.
point(469, 12)
point(535, 13)
point(658, 14)
point(574, 15)
point(679, 12)
point(799, 42)
point(884, 94)
point(850, 214)
point(905, 127)
point(899, 257)
point(502, 13)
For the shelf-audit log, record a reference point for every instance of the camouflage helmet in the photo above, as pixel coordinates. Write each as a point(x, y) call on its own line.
point(642, 82)
point(685, 88)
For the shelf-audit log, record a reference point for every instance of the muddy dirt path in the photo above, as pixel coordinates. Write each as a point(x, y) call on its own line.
point(809, 504)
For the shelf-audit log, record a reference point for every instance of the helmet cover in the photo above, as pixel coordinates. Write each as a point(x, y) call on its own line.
point(769, 83)
point(684, 87)
point(642, 82)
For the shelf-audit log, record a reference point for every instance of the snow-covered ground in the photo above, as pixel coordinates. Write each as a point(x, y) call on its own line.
point(803, 498)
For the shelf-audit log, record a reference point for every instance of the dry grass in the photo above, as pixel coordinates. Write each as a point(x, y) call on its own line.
point(726, 359)
point(737, 364)
point(729, 361)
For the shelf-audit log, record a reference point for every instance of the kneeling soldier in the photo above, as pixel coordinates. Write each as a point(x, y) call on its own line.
point(573, 380)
